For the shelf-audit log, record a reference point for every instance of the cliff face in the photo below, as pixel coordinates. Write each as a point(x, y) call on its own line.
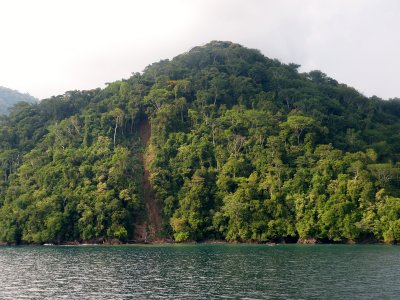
point(221, 142)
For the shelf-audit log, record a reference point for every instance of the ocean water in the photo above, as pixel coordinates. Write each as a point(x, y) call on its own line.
point(202, 271)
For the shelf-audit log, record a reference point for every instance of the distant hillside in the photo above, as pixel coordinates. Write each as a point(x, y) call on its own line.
point(219, 143)
point(9, 97)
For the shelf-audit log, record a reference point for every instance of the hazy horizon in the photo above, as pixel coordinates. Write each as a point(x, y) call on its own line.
point(51, 47)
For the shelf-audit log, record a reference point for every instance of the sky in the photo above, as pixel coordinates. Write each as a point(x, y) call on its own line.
point(48, 47)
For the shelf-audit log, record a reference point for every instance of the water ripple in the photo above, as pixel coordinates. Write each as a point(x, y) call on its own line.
point(201, 272)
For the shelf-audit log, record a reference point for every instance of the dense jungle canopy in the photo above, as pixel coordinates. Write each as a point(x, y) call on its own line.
point(242, 148)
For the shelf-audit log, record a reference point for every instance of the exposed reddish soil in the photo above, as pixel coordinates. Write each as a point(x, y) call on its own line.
point(147, 230)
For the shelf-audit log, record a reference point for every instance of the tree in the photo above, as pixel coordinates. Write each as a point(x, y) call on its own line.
point(118, 116)
point(298, 125)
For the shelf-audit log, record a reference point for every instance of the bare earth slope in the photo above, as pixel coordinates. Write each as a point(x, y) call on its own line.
point(148, 230)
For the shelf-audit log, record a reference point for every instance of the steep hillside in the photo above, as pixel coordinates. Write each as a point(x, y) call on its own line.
point(9, 98)
point(242, 148)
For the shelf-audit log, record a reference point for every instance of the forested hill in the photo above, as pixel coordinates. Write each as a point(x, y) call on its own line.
point(10, 97)
point(221, 142)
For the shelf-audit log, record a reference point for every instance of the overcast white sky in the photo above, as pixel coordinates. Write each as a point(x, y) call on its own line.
point(48, 47)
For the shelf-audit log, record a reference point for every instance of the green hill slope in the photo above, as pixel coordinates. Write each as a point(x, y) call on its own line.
point(218, 143)
point(9, 98)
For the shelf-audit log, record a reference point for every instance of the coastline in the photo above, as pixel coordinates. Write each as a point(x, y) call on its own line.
point(220, 242)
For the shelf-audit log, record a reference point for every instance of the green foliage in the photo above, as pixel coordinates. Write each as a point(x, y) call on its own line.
point(9, 98)
point(243, 148)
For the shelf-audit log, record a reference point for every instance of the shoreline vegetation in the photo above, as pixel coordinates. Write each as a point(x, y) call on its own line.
point(310, 241)
point(220, 143)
